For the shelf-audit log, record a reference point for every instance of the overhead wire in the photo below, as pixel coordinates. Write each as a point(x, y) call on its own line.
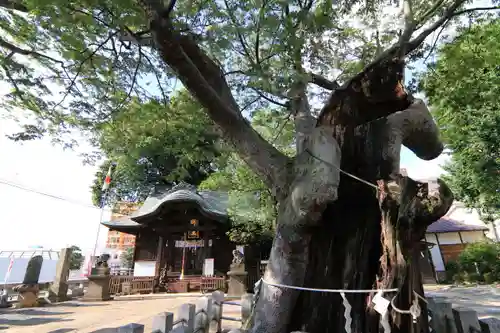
point(21, 187)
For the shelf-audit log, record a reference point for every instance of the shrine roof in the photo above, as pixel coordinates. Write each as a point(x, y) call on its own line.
point(211, 203)
point(449, 225)
point(122, 224)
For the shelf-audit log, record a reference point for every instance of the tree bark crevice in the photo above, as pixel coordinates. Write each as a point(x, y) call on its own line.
point(313, 185)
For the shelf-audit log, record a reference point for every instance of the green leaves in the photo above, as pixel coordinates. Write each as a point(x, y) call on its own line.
point(154, 144)
point(463, 88)
point(252, 206)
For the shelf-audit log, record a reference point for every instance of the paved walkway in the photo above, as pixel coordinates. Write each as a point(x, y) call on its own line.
point(483, 299)
point(87, 317)
point(96, 317)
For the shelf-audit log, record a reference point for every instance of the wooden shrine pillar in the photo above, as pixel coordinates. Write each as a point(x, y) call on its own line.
point(159, 255)
point(170, 251)
point(207, 251)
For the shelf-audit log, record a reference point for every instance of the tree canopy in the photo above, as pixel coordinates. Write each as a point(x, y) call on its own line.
point(153, 144)
point(463, 86)
point(77, 64)
point(76, 258)
point(252, 206)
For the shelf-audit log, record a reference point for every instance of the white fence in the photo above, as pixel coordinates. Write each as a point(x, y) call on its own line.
point(47, 274)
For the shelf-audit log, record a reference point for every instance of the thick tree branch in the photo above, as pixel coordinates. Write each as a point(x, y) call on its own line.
point(410, 25)
point(270, 100)
point(477, 9)
point(205, 79)
point(417, 41)
point(428, 14)
point(323, 82)
point(378, 89)
point(34, 54)
point(368, 83)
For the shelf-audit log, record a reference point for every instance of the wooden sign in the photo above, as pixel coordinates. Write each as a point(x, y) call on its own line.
point(208, 267)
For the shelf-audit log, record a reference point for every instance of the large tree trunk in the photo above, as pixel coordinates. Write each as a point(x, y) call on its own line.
point(329, 235)
point(345, 248)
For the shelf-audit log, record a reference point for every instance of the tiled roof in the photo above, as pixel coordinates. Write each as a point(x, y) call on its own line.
point(123, 223)
point(448, 225)
point(212, 203)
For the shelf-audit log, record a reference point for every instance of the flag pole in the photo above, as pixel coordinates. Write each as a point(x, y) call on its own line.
point(183, 257)
point(105, 187)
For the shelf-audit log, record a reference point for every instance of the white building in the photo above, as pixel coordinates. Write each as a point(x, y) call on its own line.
point(451, 234)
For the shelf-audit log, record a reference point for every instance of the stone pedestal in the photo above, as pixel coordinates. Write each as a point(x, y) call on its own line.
point(28, 296)
point(4, 297)
point(237, 284)
point(98, 289)
point(58, 291)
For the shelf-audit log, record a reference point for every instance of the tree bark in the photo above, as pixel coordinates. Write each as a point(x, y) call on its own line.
point(314, 185)
point(345, 249)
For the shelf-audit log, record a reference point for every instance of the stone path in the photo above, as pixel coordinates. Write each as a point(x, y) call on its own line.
point(483, 299)
point(87, 317)
point(96, 317)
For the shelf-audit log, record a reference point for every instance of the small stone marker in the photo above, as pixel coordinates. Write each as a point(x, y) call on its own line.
point(59, 289)
point(131, 328)
point(163, 322)
point(33, 270)
point(466, 319)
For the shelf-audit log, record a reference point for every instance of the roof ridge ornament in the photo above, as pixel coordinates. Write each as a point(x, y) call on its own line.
point(183, 186)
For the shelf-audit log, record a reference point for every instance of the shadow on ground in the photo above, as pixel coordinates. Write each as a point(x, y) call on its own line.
point(63, 330)
point(13, 321)
point(77, 304)
point(34, 312)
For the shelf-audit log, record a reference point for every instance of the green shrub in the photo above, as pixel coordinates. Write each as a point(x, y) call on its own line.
point(452, 268)
point(472, 277)
point(457, 278)
point(484, 254)
point(489, 278)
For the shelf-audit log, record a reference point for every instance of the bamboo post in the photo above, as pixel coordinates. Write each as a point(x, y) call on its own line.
point(442, 319)
point(466, 320)
point(131, 328)
point(163, 322)
point(185, 317)
point(246, 307)
point(218, 301)
point(203, 314)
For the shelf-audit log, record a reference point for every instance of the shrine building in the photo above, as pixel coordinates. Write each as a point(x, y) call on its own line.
point(176, 230)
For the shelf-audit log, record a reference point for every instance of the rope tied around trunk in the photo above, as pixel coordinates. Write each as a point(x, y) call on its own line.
point(414, 311)
point(342, 171)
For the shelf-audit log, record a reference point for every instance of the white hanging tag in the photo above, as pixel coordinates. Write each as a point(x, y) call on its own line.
point(381, 303)
point(347, 313)
point(384, 322)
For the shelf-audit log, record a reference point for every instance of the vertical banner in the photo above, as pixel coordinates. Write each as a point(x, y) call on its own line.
point(87, 265)
point(9, 269)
